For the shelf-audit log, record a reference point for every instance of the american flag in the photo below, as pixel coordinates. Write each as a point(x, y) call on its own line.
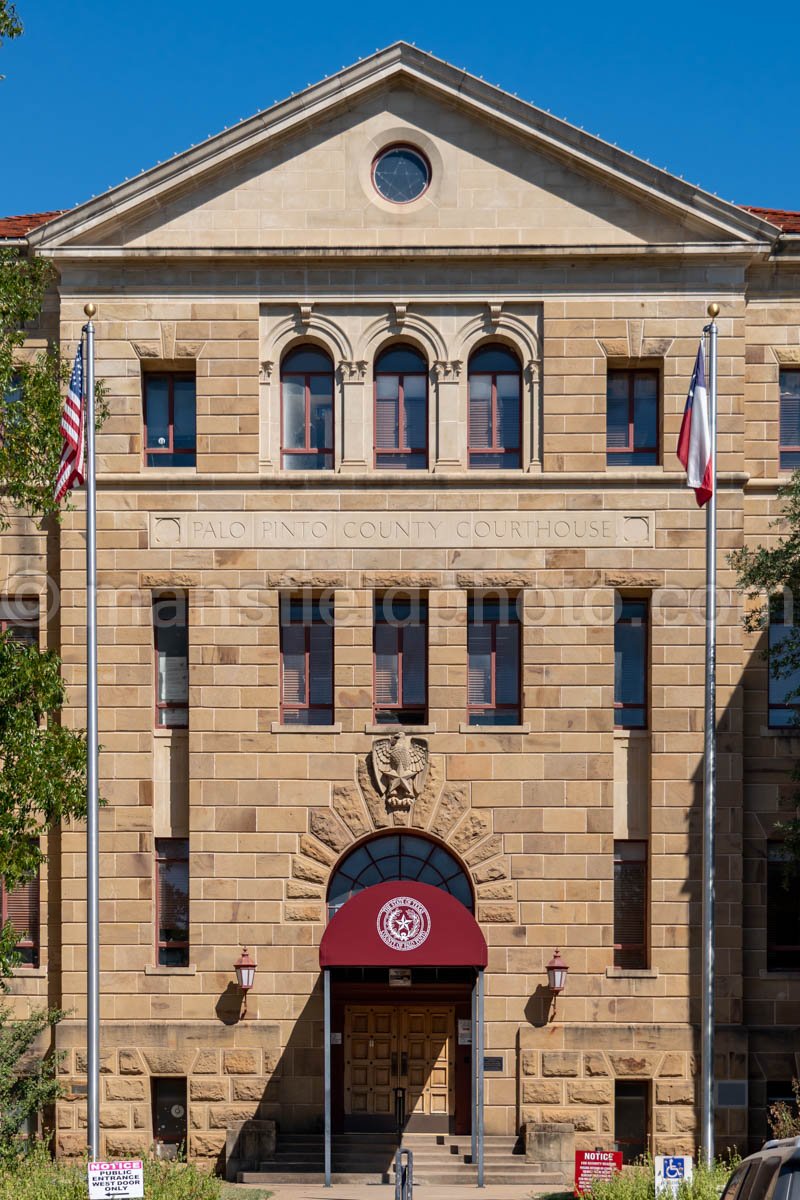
point(71, 468)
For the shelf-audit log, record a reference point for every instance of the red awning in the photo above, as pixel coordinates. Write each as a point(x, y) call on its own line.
point(403, 924)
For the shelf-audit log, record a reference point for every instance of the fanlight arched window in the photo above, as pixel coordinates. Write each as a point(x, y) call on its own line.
point(495, 410)
point(398, 856)
point(307, 410)
point(401, 409)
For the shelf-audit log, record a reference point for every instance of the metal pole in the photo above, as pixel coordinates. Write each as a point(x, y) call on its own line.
point(92, 839)
point(709, 770)
point(326, 986)
point(473, 1054)
point(480, 1049)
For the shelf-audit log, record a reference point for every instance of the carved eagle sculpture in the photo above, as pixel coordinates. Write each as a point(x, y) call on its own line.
point(400, 766)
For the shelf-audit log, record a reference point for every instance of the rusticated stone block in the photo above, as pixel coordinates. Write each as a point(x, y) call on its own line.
point(595, 1064)
point(113, 1116)
point(271, 1060)
point(106, 1063)
point(530, 1062)
point(496, 891)
point(240, 1062)
point(206, 1145)
point(662, 1118)
point(674, 1093)
point(206, 1063)
point(685, 1120)
point(349, 806)
point(312, 849)
point(673, 1064)
point(304, 868)
point(198, 1117)
point(588, 1091)
point(471, 830)
point(130, 1063)
point(300, 890)
point(325, 825)
point(583, 1122)
point(552, 1145)
point(374, 802)
point(127, 1145)
point(497, 914)
point(487, 872)
point(208, 1089)
point(452, 804)
point(538, 1091)
point(605, 1121)
point(229, 1114)
point(249, 1089)
point(71, 1145)
point(641, 1065)
point(488, 849)
point(168, 1062)
point(425, 803)
point(124, 1089)
point(559, 1063)
point(302, 912)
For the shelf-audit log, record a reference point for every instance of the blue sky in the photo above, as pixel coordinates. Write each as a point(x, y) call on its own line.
point(96, 90)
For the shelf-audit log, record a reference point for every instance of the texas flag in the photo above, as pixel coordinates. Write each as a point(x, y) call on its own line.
point(694, 440)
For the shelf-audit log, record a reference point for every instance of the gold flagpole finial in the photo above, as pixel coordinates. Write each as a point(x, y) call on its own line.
point(713, 311)
point(90, 309)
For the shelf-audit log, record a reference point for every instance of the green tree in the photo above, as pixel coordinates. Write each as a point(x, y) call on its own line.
point(10, 24)
point(770, 579)
point(28, 1080)
point(783, 1118)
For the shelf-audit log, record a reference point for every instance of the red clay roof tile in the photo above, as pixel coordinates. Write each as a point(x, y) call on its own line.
point(16, 227)
point(789, 222)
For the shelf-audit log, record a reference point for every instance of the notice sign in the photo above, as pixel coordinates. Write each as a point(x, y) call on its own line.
point(671, 1171)
point(116, 1180)
point(595, 1164)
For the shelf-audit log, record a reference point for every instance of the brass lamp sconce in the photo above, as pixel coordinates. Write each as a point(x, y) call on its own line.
point(245, 970)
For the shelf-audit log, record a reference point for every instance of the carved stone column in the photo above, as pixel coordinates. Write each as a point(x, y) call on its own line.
point(268, 420)
point(355, 417)
point(535, 431)
point(450, 430)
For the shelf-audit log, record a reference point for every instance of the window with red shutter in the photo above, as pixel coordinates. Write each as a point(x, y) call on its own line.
point(21, 908)
point(20, 618)
point(306, 661)
point(789, 419)
point(630, 905)
point(495, 411)
point(632, 416)
point(400, 654)
point(493, 661)
point(171, 636)
point(172, 902)
point(307, 410)
point(631, 663)
point(170, 419)
point(401, 409)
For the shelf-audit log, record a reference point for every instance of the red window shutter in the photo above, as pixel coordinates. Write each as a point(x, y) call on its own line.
point(173, 889)
point(386, 665)
point(479, 674)
point(480, 413)
point(22, 909)
point(630, 914)
point(320, 684)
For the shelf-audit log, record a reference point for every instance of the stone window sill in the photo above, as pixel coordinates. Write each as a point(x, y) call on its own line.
point(497, 730)
point(764, 974)
point(632, 734)
point(151, 969)
point(622, 973)
point(388, 728)
point(778, 731)
point(276, 727)
point(29, 973)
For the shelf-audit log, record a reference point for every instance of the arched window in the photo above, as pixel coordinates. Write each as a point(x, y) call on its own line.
point(398, 856)
point(401, 409)
point(307, 410)
point(495, 411)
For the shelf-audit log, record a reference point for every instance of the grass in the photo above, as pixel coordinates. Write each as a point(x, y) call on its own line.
point(38, 1177)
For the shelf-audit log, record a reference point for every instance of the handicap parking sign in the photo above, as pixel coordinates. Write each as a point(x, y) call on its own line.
point(671, 1171)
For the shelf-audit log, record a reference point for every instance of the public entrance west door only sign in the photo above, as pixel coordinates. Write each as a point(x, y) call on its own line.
point(122, 1180)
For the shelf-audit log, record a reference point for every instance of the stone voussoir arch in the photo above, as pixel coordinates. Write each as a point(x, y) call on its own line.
point(414, 329)
point(442, 811)
point(316, 328)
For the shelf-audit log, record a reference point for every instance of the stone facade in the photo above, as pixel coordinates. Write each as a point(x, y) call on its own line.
point(579, 259)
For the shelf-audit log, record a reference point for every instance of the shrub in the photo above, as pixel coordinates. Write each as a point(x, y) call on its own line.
point(28, 1083)
point(638, 1182)
point(784, 1119)
point(37, 1177)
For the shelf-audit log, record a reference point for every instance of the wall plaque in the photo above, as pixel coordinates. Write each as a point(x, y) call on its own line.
point(399, 530)
point(493, 1062)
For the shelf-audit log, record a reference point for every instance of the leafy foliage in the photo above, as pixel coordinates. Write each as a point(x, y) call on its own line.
point(37, 1177)
point(28, 1082)
point(10, 24)
point(765, 574)
point(639, 1182)
point(784, 1119)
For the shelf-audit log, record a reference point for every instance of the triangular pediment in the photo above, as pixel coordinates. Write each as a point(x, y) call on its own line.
point(503, 173)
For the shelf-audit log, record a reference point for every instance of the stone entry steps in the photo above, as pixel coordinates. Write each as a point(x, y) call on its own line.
point(439, 1159)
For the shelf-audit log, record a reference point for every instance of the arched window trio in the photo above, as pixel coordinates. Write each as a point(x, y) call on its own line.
point(400, 415)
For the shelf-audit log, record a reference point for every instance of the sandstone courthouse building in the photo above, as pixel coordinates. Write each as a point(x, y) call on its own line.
point(400, 587)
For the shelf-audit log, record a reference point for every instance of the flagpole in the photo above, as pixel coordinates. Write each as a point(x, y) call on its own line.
point(709, 769)
point(92, 840)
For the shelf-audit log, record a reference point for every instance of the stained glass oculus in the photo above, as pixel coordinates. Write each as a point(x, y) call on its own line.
point(401, 174)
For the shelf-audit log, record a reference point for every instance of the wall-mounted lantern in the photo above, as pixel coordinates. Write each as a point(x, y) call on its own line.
point(245, 970)
point(556, 976)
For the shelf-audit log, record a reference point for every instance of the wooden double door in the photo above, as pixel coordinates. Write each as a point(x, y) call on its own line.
point(399, 1067)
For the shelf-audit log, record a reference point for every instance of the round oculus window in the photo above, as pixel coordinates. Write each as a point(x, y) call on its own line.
point(401, 174)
